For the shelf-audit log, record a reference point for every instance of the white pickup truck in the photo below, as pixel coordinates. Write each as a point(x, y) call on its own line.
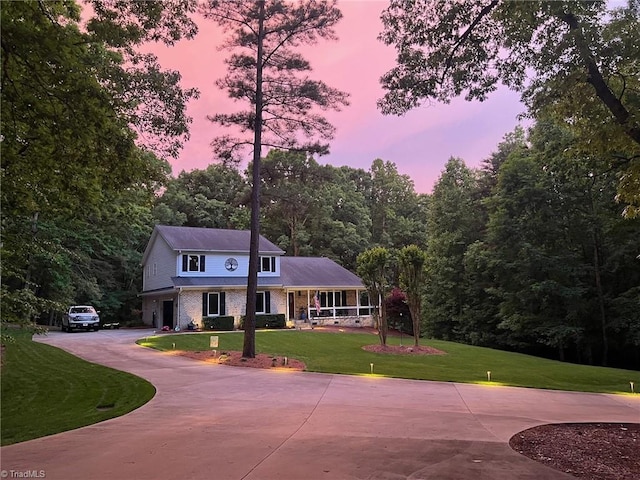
point(80, 317)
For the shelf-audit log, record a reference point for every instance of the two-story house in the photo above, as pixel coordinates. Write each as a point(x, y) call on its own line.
point(191, 273)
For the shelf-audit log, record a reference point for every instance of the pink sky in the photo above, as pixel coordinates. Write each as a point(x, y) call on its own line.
point(419, 143)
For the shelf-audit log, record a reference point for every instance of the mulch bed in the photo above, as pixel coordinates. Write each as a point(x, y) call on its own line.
point(235, 359)
point(403, 350)
point(594, 451)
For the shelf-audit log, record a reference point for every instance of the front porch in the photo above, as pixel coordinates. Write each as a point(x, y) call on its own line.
point(335, 307)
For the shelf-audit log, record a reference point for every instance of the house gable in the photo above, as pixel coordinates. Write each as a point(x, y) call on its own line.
point(158, 265)
point(189, 256)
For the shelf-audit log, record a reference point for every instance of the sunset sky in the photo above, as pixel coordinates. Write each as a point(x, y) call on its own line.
point(419, 143)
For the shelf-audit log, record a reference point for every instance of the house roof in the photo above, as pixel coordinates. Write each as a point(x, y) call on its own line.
point(295, 272)
point(210, 240)
point(314, 272)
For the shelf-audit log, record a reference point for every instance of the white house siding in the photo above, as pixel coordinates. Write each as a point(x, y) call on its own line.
point(189, 308)
point(278, 301)
point(236, 301)
point(163, 257)
point(154, 304)
point(215, 265)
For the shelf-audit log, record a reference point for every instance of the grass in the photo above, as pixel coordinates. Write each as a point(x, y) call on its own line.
point(46, 390)
point(342, 353)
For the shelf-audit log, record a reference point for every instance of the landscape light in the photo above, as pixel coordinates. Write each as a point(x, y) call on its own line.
point(371, 365)
point(631, 384)
point(488, 375)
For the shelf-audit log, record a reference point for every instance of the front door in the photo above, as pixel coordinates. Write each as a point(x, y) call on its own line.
point(167, 313)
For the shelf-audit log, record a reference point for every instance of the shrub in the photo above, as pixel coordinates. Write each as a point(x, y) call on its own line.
point(218, 323)
point(269, 320)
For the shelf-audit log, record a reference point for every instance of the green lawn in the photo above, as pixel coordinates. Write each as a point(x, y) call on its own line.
point(342, 353)
point(46, 390)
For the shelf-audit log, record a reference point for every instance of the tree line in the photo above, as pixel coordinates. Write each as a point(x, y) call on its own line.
point(529, 252)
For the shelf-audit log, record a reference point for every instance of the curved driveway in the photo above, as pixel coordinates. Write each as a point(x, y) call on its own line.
point(217, 422)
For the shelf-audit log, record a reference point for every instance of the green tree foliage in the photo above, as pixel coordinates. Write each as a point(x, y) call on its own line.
point(537, 277)
point(291, 196)
point(148, 97)
point(282, 102)
point(453, 225)
point(397, 212)
point(569, 59)
point(74, 102)
point(412, 262)
point(606, 244)
point(313, 210)
point(211, 198)
point(374, 267)
point(538, 258)
point(286, 99)
point(343, 230)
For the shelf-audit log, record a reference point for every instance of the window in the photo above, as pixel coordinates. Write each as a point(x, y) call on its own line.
point(155, 269)
point(364, 299)
point(333, 299)
point(213, 304)
point(193, 263)
point(364, 303)
point(267, 264)
point(263, 302)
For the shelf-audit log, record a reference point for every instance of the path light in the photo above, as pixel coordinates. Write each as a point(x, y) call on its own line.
point(488, 375)
point(174, 346)
point(286, 361)
point(371, 365)
point(631, 385)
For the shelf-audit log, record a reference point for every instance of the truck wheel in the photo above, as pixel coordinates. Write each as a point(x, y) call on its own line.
point(63, 328)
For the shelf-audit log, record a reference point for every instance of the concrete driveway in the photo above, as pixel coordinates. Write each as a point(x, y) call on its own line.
point(218, 422)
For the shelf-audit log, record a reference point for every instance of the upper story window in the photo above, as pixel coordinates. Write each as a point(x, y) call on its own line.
point(267, 264)
point(193, 263)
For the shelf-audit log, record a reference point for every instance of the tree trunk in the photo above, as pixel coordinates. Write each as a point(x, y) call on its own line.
point(383, 328)
point(604, 93)
point(249, 346)
point(603, 316)
point(415, 319)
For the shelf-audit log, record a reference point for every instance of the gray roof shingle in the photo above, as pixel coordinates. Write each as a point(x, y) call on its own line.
point(212, 240)
point(315, 272)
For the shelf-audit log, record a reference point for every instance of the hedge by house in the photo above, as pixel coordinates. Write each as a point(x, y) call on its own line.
point(272, 320)
point(224, 322)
